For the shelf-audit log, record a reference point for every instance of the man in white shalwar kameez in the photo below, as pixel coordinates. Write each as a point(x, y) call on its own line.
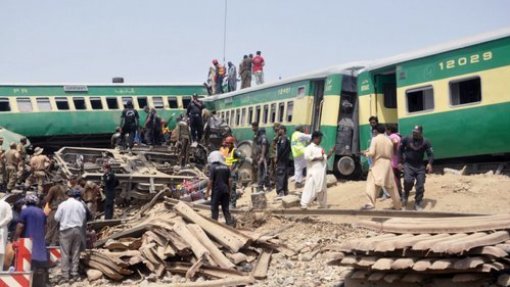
point(5, 219)
point(315, 184)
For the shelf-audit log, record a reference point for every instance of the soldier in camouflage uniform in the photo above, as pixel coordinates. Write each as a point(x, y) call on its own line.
point(181, 136)
point(12, 160)
point(272, 155)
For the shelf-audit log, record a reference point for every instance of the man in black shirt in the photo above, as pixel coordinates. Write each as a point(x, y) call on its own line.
point(220, 183)
point(109, 184)
point(129, 121)
point(194, 114)
point(261, 155)
point(412, 151)
point(282, 162)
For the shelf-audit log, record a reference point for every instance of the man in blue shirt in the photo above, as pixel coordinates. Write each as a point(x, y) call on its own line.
point(32, 225)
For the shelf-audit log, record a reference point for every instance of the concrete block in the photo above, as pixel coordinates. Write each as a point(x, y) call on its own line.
point(289, 201)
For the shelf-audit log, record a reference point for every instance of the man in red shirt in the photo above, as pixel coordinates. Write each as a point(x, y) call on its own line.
point(257, 66)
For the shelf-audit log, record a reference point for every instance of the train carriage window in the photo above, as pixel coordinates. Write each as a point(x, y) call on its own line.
point(125, 100)
point(172, 103)
point(158, 102)
point(43, 104)
point(112, 103)
point(243, 117)
point(79, 103)
point(273, 113)
point(222, 115)
point(227, 117)
point(232, 117)
point(257, 114)
point(96, 103)
point(290, 109)
point(250, 115)
point(185, 102)
point(301, 91)
point(421, 99)
point(465, 91)
point(62, 104)
point(5, 106)
point(281, 108)
point(24, 104)
point(142, 102)
point(266, 114)
point(390, 95)
point(238, 117)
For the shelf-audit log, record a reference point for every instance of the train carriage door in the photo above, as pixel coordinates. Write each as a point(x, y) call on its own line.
point(318, 99)
point(386, 97)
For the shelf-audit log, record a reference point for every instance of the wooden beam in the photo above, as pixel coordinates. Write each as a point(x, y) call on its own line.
point(215, 253)
point(260, 270)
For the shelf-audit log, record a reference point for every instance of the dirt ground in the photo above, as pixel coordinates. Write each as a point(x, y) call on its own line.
point(481, 193)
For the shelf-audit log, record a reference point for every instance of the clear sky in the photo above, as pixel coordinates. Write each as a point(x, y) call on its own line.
point(91, 41)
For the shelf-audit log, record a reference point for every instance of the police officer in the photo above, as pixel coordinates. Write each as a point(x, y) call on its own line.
point(282, 162)
point(194, 114)
point(261, 155)
point(233, 159)
point(220, 182)
point(109, 184)
point(412, 151)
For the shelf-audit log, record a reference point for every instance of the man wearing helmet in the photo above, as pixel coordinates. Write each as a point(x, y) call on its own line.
point(220, 182)
point(233, 159)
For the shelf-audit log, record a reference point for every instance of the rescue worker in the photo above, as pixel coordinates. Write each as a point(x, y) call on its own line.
point(412, 151)
point(282, 162)
point(272, 155)
point(215, 130)
point(233, 159)
point(220, 182)
point(181, 137)
point(38, 164)
point(109, 184)
point(2, 166)
point(298, 141)
point(129, 122)
point(56, 195)
point(261, 155)
point(194, 113)
point(12, 160)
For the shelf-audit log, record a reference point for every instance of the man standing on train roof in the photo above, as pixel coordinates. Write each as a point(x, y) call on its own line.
point(220, 182)
point(412, 151)
point(2, 166)
point(315, 185)
point(38, 165)
point(32, 225)
point(194, 113)
point(261, 152)
point(110, 182)
point(129, 122)
point(233, 159)
point(282, 162)
point(298, 141)
point(12, 160)
point(381, 174)
point(220, 74)
point(245, 72)
point(258, 68)
point(232, 77)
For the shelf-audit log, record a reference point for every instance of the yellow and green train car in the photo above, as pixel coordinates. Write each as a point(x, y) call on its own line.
point(459, 92)
point(55, 115)
point(311, 100)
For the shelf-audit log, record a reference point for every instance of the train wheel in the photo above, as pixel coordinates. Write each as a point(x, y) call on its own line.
point(246, 148)
point(245, 171)
point(188, 172)
point(347, 167)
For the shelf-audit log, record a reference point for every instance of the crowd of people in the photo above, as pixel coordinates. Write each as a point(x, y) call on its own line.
point(220, 76)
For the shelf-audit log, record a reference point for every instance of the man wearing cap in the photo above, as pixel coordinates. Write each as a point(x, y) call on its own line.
point(298, 141)
point(31, 225)
point(71, 215)
point(129, 122)
point(12, 160)
point(220, 182)
point(38, 164)
point(109, 183)
point(233, 159)
point(315, 185)
point(381, 174)
point(194, 113)
point(412, 151)
point(56, 195)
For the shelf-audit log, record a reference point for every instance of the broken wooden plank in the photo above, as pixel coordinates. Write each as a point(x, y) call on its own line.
point(260, 269)
point(229, 239)
point(216, 254)
point(131, 232)
point(194, 268)
point(237, 258)
point(106, 270)
point(198, 249)
point(233, 281)
point(206, 271)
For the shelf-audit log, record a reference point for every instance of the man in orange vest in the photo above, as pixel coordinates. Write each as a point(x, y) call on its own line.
point(233, 160)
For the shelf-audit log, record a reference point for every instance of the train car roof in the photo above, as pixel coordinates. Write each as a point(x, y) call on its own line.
point(100, 84)
point(437, 49)
point(346, 69)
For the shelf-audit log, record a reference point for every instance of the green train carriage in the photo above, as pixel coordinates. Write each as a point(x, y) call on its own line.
point(84, 115)
point(459, 92)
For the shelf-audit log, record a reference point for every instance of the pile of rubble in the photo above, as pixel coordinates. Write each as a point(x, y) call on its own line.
point(467, 251)
point(176, 239)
